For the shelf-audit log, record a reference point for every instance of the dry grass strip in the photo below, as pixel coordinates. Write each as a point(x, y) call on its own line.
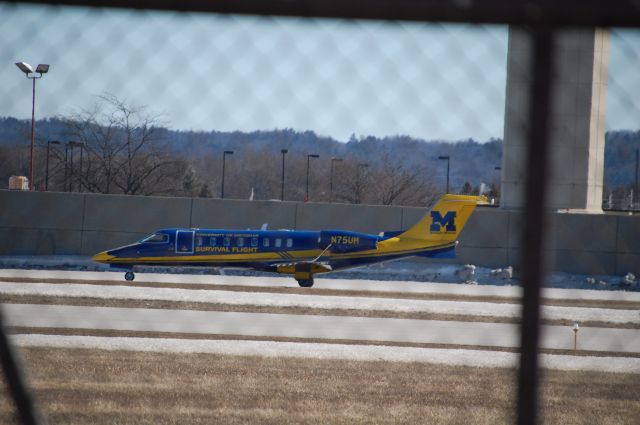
point(77, 386)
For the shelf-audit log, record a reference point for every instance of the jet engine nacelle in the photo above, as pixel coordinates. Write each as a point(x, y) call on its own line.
point(344, 241)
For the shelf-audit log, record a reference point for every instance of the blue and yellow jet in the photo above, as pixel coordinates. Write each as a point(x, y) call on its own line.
point(301, 254)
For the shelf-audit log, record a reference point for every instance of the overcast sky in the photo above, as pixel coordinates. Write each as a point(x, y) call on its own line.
point(337, 78)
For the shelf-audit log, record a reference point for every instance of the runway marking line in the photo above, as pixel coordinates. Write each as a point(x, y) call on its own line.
point(623, 305)
point(303, 311)
point(228, 337)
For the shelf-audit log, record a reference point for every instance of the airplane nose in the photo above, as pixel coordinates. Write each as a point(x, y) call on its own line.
point(103, 257)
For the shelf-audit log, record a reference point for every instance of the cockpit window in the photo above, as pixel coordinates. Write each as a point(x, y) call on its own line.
point(156, 238)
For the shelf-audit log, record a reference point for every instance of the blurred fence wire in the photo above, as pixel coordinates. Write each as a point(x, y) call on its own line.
point(314, 101)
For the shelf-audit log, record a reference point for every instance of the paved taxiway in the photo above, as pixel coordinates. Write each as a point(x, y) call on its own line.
point(334, 284)
point(262, 299)
point(320, 327)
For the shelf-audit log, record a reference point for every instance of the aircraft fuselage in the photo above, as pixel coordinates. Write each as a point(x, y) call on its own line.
point(299, 253)
point(260, 249)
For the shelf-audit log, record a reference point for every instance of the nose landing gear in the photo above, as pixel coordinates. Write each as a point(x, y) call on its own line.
point(129, 276)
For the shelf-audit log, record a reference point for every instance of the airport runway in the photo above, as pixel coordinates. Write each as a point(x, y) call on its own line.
point(101, 298)
point(333, 284)
point(313, 301)
point(314, 327)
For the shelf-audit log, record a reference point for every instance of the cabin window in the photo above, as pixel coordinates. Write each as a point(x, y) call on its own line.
point(278, 242)
point(266, 242)
point(198, 240)
point(289, 242)
point(240, 241)
point(213, 241)
point(156, 238)
point(227, 241)
point(254, 242)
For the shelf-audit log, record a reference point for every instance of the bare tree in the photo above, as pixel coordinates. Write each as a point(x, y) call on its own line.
point(397, 184)
point(352, 182)
point(126, 151)
point(14, 160)
point(394, 180)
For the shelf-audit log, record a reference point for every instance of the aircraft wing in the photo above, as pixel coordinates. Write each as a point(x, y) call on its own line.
point(292, 267)
point(306, 266)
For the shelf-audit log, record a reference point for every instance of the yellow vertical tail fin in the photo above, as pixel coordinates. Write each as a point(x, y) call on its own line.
point(445, 220)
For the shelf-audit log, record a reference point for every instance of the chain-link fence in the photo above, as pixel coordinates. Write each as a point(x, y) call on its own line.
point(257, 86)
point(302, 116)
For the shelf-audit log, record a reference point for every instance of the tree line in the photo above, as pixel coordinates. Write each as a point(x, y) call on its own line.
point(119, 148)
point(125, 149)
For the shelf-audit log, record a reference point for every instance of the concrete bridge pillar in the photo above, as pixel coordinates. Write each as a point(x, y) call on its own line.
point(577, 119)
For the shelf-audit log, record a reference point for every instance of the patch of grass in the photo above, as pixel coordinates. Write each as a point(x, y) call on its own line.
point(79, 386)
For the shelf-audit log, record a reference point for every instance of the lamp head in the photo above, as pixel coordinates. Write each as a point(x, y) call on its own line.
point(443, 157)
point(42, 68)
point(313, 155)
point(283, 151)
point(228, 152)
point(25, 67)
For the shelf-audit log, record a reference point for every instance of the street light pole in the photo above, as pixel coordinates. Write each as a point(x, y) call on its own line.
point(224, 157)
point(497, 189)
point(33, 131)
point(309, 156)
point(66, 166)
point(334, 159)
point(448, 163)
point(71, 146)
point(358, 187)
point(46, 178)
point(637, 162)
point(27, 69)
point(283, 152)
point(82, 146)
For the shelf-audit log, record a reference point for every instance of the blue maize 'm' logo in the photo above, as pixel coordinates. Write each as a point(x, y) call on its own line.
point(448, 222)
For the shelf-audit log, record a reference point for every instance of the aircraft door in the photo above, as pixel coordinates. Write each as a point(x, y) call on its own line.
point(184, 241)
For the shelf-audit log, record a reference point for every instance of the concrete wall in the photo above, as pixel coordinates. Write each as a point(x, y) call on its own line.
point(579, 243)
point(35, 223)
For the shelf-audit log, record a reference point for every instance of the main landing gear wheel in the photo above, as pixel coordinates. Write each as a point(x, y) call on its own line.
point(129, 276)
point(305, 283)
